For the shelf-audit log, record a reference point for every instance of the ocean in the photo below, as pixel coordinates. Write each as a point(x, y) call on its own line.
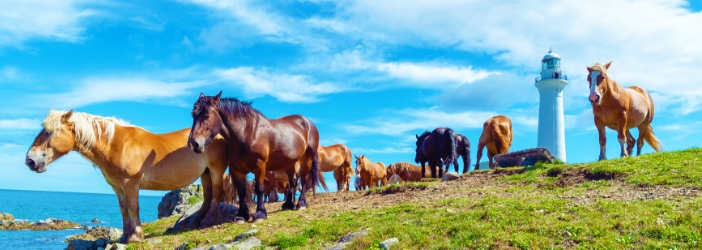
point(76, 207)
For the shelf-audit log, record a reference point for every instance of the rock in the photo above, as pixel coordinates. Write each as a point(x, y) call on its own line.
point(525, 157)
point(227, 211)
point(271, 248)
point(6, 216)
point(246, 234)
point(248, 243)
point(48, 224)
point(339, 246)
point(387, 244)
point(116, 246)
point(154, 241)
point(87, 244)
point(567, 234)
point(95, 220)
point(349, 237)
point(111, 234)
point(221, 247)
point(176, 202)
point(450, 176)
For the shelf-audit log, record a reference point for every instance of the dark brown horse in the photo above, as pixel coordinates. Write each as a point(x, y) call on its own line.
point(496, 136)
point(256, 145)
point(438, 148)
point(620, 109)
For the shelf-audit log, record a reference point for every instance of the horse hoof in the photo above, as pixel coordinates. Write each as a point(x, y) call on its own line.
point(259, 220)
point(239, 220)
point(301, 208)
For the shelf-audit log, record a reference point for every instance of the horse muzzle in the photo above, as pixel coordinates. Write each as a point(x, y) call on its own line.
point(594, 98)
point(38, 167)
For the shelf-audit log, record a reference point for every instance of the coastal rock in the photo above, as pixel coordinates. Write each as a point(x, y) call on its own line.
point(339, 246)
point(246, 235)
point(116, 246)
point(48, 224)
point(87, 244)
point(248, 243)
point(177, 201)
point(6, 216)
point(387, 244)
point(185, 222)
point(527, 157)
point(111, 234)
point(349, 237)
point(450, 176)
point(95, 220)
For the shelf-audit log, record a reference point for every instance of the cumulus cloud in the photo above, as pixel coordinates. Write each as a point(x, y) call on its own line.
point(21, 123)
point(22, 20)
point(284, 87)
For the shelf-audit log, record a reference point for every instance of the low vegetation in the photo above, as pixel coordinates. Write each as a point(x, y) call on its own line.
point(651, 201)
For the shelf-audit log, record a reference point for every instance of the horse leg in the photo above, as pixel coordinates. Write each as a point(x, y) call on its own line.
point(302, 201)
point(261, 213)
point(490, 157)
point(206, 180)
point(424, 169)
point(432, 168)
point(480, 155)
point(630, 141)
point(603, 138)
point(239, 180)
point(466, 162)
point(455, 165)
point(643, 132)
point(290, 193)
point(621, 133)
point(131, 192)
point(126, 223)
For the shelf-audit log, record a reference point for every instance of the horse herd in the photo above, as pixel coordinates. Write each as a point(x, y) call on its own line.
point(283, 153)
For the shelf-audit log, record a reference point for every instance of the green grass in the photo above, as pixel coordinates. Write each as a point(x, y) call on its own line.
point(530, 212)
point(195, 199)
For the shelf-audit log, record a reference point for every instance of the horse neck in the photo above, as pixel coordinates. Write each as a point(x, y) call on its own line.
point(100, 150)
point(241, 128)
point(614, 89)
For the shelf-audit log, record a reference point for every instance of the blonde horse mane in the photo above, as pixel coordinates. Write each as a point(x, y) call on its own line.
point(88, 129)
point(599, 67)
point(401, 166)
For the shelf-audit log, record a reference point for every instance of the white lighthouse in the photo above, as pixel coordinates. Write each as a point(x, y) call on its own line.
point(550, 85)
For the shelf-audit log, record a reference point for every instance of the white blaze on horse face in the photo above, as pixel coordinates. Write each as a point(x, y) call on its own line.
point(593, 81)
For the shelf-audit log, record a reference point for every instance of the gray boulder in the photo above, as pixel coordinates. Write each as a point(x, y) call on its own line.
point(387, 244)
point(176, 202)
point(450, 176)
point(185, 222)
point(87, 244)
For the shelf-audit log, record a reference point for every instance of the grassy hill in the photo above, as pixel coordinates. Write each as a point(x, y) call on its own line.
point(651, 201)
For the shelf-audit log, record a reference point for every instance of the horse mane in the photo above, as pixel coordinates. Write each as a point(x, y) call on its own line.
point(599, 67)
point(423, 136)
point(236, 108)
point(87, 127)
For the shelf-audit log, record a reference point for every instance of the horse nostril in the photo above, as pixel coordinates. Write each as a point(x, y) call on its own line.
point(30, 163)
point(194, 144)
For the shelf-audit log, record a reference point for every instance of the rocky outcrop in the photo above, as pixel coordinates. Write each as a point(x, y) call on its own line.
point(185, 222)
point(48, 224)
point(347, 239)
point(87, 244)
point(525, 157)
point(450, 176)
point(176, 202)
point(5, 216)
point(111, 234)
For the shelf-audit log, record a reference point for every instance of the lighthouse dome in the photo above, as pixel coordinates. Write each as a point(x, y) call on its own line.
point(550, 55)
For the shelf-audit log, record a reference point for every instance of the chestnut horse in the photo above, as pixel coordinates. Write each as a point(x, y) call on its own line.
point(496, 136)
point(406, 171)
point(371, 172)
point(336, 158)
point(278, 180)
point(256, 144)
point(131, 158)
point(438, 148)
point(620, 109)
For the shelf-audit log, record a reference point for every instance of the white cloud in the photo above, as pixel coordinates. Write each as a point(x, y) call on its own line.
point(8, 74)
point(649, 41)
point(435, 74)
point(21, 123)
point(284, 87)
point(100, 90)
point(22, 20)
point(387, 150)
point(144, 23)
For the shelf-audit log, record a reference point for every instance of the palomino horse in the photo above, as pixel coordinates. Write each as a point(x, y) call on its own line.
point(336, 158)
point(620, 109)
point(434, 146)
point(257, 144)
point(496, 136)
point(131, 158)
point(371, 172)
point(278, 180)
point(406, 171)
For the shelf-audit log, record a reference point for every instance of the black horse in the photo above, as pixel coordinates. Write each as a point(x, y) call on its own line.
point(438, 148)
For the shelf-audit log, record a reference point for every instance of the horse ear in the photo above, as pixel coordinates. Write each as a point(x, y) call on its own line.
point(607, 65)
point(65, 117)
point(589, 69)
point(416, 135)
point(215, 99)
point(202, 95)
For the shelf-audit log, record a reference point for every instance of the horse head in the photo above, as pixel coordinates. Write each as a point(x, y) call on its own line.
point(418, 152)
point(207, 122)
point(597, 78)
point(56, 139)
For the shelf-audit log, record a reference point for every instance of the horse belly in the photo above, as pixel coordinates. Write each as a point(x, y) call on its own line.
point(173, 173)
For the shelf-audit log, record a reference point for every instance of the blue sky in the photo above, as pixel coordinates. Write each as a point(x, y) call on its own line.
point(370, 74)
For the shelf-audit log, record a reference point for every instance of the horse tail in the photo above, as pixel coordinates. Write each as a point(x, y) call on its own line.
point(497, 137)
point(314, 174)
point(452, 145)
point(652, 140)
point(465, 153)
point(321, 181)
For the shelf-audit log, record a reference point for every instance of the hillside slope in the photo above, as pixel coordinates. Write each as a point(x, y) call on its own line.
point(651, 201)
